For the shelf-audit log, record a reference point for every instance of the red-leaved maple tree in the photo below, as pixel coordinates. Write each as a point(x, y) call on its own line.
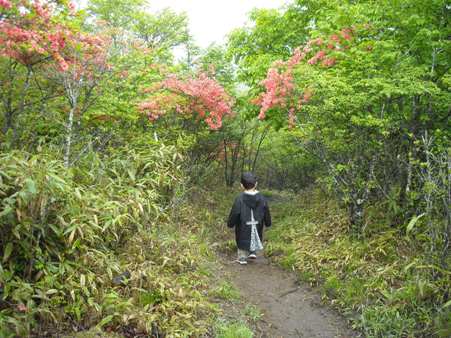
point(38, 34)
point(35, 31)
point(30, 32)
point(280, 89)
point(201, 96)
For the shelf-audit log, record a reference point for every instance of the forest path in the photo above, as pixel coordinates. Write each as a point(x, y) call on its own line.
point(290, 308)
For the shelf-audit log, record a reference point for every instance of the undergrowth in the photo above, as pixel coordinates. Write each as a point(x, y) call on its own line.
point(116, 245)
point(99, 246)
point(112, 247)
point(383, 282)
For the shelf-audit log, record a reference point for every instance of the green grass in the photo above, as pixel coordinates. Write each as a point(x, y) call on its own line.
point(226, 291)
point(233, 330)
point(253, 313)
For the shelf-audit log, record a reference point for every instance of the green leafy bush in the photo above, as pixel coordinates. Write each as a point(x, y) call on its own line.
point(65, 235)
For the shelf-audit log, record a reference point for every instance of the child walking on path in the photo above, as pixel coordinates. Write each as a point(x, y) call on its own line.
point(249, 214)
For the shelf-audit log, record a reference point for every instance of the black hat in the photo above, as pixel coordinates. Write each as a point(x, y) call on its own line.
point(248, 180)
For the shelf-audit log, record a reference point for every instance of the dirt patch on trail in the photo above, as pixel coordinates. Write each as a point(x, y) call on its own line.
point(290, 309)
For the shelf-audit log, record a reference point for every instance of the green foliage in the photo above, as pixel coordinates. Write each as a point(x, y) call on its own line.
point(234, 330)
point(163, 30)
point(66, 235)
point(226, 291)
point(360, 133)
point(274, 34)
point(213, 60)
point(253, 312)
point(118, 13)
point(384, 278)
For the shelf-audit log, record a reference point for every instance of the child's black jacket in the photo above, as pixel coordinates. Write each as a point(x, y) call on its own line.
point(241, 213)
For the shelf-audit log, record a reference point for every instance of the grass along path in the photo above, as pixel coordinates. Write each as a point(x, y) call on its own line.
point(284, 306)
point(380, 283)
point(289, 309)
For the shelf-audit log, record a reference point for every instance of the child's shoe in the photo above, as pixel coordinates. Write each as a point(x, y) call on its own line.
point(252, 255)
point(242, 261)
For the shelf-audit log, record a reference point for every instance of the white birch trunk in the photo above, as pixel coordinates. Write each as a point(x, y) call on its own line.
point(68, 144)
point(72, 92)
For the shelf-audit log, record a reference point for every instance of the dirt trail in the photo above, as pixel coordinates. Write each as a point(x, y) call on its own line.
point(290, 309)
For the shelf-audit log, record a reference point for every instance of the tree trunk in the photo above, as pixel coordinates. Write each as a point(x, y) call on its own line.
point(10, 112)
point(72, 92)
point(68, 144)
point(356, 209)
point(262, 138)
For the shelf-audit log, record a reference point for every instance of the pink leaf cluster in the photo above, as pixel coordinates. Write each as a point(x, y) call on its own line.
point(279, 83)
point(31, 36)
point(41, 10)
point(203, 95)
point(278, 86)
point(72, 7)
point(5, 4)
point(157, 107)
point(81, 54)
point(30, 33)
point(88, 54)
